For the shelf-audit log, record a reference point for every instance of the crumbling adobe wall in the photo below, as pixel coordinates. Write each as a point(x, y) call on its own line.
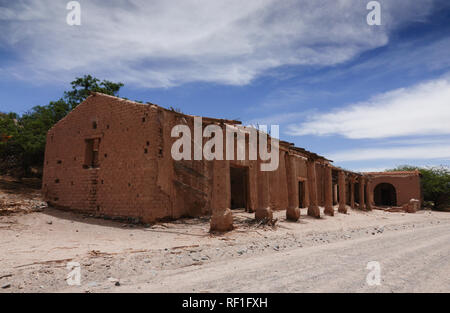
point(187, 182)
point(278, 185)
point(135, 176)
point(126, 181)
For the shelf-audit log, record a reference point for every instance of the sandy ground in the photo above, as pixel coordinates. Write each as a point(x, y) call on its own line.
point(324, 254)
point(311, 255)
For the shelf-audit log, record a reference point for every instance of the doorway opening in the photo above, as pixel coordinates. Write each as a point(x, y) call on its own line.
point(301, 194)
point(239, 187)
point(385, 195)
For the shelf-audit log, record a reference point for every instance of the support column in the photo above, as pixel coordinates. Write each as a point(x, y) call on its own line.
point(369, 200)
point(362, 201)
point(293, 210)
point(341, 181)
point(313, 208)
point(263, 210)
point(222, 217)
point(329, 210)
point(352, 192)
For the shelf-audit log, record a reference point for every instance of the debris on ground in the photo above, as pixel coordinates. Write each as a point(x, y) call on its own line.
point(19, 197)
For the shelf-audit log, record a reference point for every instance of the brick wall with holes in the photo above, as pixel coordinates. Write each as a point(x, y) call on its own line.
point(103, 158)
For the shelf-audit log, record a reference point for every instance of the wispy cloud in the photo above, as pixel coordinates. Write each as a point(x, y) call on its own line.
point(164, 43)
point(423, 109)
point(394, 153)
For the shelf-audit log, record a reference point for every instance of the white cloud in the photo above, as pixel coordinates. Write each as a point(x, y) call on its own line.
point(164, 43)
point(423, 109)
point(277, 119)
point(426, 152)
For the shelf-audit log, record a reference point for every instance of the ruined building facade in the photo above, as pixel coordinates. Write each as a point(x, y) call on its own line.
point(112, 157)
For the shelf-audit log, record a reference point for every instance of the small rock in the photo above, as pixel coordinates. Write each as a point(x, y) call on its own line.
point(276, 248)
point(6, 286)
point(49, 222)
point(117, 284)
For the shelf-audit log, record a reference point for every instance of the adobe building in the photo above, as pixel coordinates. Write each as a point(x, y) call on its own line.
point(395, 188)
point(112, 157)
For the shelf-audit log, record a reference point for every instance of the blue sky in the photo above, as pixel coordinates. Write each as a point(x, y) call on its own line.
point(368, 97)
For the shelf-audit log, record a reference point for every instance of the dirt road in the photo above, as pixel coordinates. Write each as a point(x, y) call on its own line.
point(415, 260)
point(312, 255)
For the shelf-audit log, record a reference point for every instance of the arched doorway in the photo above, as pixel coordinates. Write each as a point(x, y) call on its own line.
point(385, 195)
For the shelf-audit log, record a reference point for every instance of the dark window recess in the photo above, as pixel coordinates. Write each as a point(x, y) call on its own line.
point(91, 153)
point(56, 199)
point(59, 161)
point(148, 143)
point(57, 181)
point(145, 151)
point(106, 155)
point(239, 187)
point(94, 125)
point(143, 120)
point(160, 152)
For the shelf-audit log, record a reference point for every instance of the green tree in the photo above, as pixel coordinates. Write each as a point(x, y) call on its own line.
point(435, 184)
point(8, 135)
point(82, 86)
point(22, 141)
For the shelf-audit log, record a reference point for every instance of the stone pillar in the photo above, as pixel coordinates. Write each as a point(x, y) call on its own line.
point(362, 202)
point(329, 210)
point(313, 208)
point(263, 210)
point(341, 181)
point(222, 217)
point(369, 195)
point(293, 210)
point(352, 192)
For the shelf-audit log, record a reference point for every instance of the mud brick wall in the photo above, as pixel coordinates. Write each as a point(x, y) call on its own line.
point(407, 186)
point(131, 157)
